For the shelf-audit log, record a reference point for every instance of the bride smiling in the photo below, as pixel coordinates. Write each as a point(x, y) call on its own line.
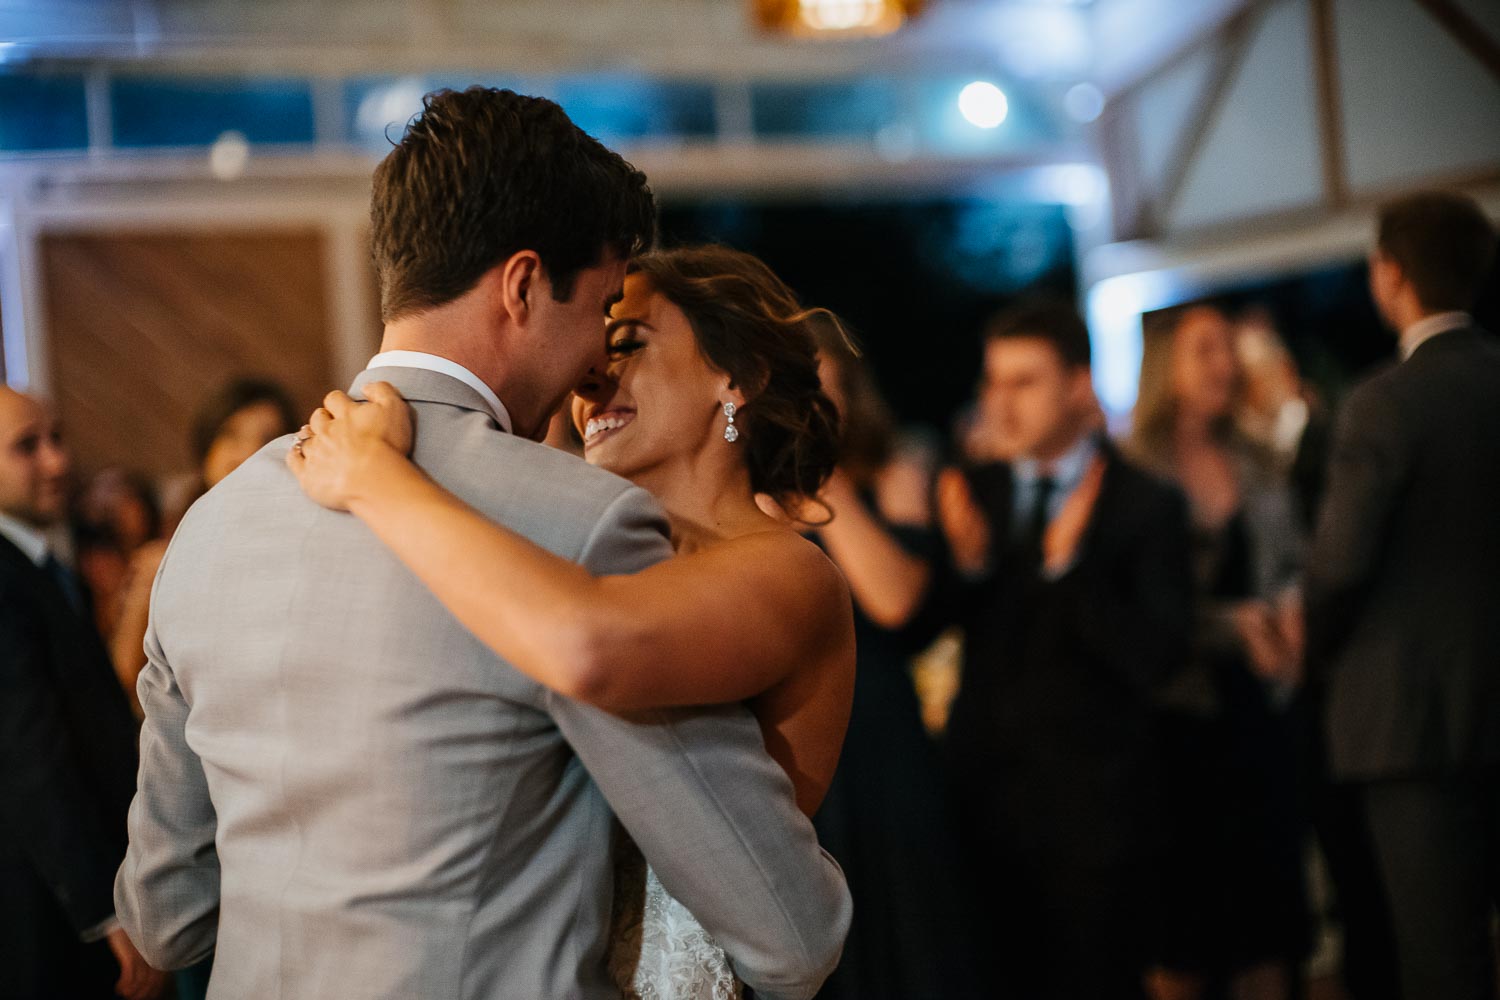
point(710, 397)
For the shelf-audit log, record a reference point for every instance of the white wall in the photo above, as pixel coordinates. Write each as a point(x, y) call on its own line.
point(1415, 104)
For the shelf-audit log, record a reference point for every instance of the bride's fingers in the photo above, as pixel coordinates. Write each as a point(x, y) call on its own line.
point(320, 421)
point(383, 393)
point(339, 403)
point(295, 460)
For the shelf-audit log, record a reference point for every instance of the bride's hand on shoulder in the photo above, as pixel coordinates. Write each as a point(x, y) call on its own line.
point(347, 446)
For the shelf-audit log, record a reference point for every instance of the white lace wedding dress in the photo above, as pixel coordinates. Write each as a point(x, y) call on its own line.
point(659, 950)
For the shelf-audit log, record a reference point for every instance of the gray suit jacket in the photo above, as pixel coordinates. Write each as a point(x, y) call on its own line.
point(349, 797)
point(1403, 588)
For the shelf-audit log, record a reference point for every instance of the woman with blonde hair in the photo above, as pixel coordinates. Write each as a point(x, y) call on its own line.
point(1237, 912)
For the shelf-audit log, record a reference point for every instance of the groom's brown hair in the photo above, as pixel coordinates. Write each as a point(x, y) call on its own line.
point(481, 174)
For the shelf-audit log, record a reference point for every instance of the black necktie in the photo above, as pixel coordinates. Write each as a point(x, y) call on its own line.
point(1036, 520)
point(66, 581)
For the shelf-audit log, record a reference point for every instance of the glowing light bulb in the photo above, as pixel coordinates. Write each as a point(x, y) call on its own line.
point(983, 104)
point(842, 15)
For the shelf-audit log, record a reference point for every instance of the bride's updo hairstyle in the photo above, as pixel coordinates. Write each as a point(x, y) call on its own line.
point(750, 326)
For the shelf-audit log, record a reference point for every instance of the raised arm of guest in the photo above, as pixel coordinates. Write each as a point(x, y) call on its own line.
point(887, 579)
point(878, 494)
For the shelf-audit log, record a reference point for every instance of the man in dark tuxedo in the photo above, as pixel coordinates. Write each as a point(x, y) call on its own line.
point(1403, 598)
point(67, 746)
point(1072, 581)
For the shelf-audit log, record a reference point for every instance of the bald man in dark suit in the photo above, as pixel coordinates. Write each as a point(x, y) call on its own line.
point(67, 746)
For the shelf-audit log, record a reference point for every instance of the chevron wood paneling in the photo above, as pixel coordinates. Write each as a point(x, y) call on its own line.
point(143, 327)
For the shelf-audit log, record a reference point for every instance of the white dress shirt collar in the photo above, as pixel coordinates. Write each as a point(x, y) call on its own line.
point(1066, 471)
point(445, 366)
point(31, 541)
point(1428, 327)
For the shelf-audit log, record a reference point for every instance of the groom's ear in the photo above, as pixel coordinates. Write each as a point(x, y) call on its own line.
point(520, 283)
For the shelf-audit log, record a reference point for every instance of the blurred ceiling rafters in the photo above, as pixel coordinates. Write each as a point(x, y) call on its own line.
point(668, 38)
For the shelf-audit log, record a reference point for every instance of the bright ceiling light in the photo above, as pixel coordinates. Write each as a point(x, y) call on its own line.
point(841, 15)
point(983, 104)
point(834, 18)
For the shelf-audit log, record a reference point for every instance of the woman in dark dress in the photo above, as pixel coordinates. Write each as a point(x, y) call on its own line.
point(1239, 922)
point(885, 818)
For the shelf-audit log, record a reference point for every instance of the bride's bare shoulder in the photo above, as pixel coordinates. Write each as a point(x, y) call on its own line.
point(801, 566)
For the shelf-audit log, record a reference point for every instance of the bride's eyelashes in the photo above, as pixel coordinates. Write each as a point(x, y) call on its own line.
point(624, 347)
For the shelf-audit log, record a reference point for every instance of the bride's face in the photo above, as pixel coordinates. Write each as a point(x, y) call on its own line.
point(658, 400)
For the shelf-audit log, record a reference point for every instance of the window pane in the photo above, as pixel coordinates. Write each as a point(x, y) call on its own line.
point(849, 109)
point(614, 108)
point(44, 112)
point(195, 112)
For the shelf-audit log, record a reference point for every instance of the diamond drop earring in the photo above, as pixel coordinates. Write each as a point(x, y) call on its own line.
point(731, 433)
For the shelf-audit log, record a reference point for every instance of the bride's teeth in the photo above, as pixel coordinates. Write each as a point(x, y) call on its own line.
point(598, 425)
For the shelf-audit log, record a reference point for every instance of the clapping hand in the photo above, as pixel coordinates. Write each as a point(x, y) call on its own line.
point(340, 451)
point(967, 529)
point(963, 522)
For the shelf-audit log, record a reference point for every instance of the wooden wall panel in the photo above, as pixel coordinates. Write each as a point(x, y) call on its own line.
point(143, 328)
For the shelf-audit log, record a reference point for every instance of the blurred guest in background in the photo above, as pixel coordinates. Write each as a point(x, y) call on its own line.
point(885, 818)
point(235, 423)
point(1279, 411)
point(976, 432)
point(1403, 597)
point(116, 514)
point(1070, 575)
point(67, 745)
point(125, 503)
point(1238, 909)
point(1286, 421)
point(1284, 418)
point(1274, 408)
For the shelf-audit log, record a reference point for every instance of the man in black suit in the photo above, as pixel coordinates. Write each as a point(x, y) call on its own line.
point(67, 746)
point(1403, 598)
point(1072, 581)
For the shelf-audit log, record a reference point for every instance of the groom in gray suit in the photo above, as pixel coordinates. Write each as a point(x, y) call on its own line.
point(343, 795)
